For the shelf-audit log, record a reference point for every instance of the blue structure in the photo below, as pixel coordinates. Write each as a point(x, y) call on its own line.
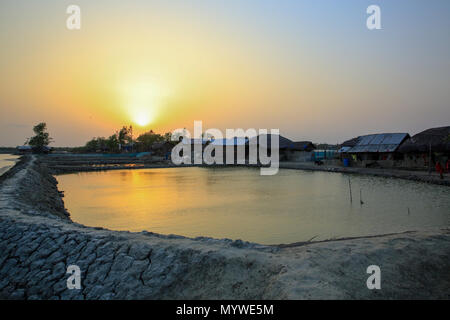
point(323, 154)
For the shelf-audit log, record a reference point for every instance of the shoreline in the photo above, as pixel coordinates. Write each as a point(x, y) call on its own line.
point(3, 167)
point(38, 241)
point(71, 164)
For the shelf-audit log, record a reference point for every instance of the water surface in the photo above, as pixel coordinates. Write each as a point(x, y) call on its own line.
point(238, 203)
point(7, 161)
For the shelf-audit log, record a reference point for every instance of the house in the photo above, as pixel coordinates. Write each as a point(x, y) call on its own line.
point(300, 151)
point(265, 141)
point(129, 147)
point(197, 146)
point(424, 149)
point(31, 149)
point(324, 154)
point(24, 149)
point(162, 148)
point(236, 141)
point(347, 145)
point(233, 145)
point(374, 150)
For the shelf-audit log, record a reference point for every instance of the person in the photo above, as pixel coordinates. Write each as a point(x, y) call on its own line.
point(447, 165)
point(440, 170)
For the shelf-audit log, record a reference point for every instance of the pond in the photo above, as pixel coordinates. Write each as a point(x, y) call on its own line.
point(7, 161)
point(238, 203)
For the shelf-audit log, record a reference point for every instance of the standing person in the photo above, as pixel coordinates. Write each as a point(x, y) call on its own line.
point(439, 169)
point(447, 165)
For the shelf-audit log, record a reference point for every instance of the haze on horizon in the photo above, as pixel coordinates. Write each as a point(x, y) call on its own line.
point(310, 68)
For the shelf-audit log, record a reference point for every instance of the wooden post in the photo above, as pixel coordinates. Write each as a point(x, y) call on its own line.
point(429, 160)
point(350, 188)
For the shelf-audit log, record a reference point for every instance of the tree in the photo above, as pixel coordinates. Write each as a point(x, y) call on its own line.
point(113, 143)
point(124, 135)
point(168, 136)
point(91, 145)
point(41, 139)
point(146, 140)
point(96, 144)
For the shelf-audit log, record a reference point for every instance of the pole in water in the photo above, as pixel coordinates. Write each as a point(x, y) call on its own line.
point(350, 188)
point(360, 197)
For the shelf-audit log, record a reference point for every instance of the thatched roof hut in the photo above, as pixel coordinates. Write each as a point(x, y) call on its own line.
point(437, 138)
point(162, 147)
point(284, 143)
point(236, 141)
point(192, 141)
point(302, 146)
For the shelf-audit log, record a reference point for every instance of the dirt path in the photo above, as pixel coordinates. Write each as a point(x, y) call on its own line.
point(422, 176)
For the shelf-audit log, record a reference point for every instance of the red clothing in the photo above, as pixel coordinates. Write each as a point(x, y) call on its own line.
point(440, 170)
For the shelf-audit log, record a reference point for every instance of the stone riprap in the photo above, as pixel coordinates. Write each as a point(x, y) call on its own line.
point(38, 241)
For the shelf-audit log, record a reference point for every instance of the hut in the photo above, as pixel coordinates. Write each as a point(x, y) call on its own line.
point(300, 151)
point(197, 146)
point(283, 144)
point(347, 145)
point(126, 147)
point(234, 145)
point(374, 150)
point(32, 149)
point(162, 148)
point(24, 149)
point(424, 149)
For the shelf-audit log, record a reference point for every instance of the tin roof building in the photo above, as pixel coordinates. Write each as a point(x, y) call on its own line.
point(375, 143)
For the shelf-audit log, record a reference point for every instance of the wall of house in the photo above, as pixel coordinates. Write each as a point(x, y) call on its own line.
point(396, 160)
point(299, 156)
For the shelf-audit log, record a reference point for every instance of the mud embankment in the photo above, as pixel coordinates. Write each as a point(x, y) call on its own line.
point(38, 241)
point(29, 186)
point(405, 174)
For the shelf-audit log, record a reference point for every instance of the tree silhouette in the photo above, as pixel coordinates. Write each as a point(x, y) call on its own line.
point(41, 138)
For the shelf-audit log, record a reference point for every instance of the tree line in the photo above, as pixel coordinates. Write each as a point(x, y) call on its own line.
point(119, 141)
point(123, 140)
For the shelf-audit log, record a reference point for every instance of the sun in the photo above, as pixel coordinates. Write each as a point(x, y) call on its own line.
point(143, 100)
point(142, 119)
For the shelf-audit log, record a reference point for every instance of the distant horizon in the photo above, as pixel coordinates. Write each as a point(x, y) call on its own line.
point(294, 140)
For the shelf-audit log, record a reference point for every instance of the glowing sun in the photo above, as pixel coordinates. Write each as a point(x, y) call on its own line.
point(143, 100)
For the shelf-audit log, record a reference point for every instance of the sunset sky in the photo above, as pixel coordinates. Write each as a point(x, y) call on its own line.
point(310, 68)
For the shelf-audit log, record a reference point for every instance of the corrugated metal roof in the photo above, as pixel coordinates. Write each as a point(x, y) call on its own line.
point(382, 142)
point(236, 141)
point(24, 147)
point(344, 149)
point(283, 143)
point(194, 141)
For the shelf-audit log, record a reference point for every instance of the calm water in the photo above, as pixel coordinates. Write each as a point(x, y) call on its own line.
point(6, 162)
point(238, 203)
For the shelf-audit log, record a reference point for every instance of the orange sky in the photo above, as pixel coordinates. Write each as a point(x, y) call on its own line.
point(313, 73)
